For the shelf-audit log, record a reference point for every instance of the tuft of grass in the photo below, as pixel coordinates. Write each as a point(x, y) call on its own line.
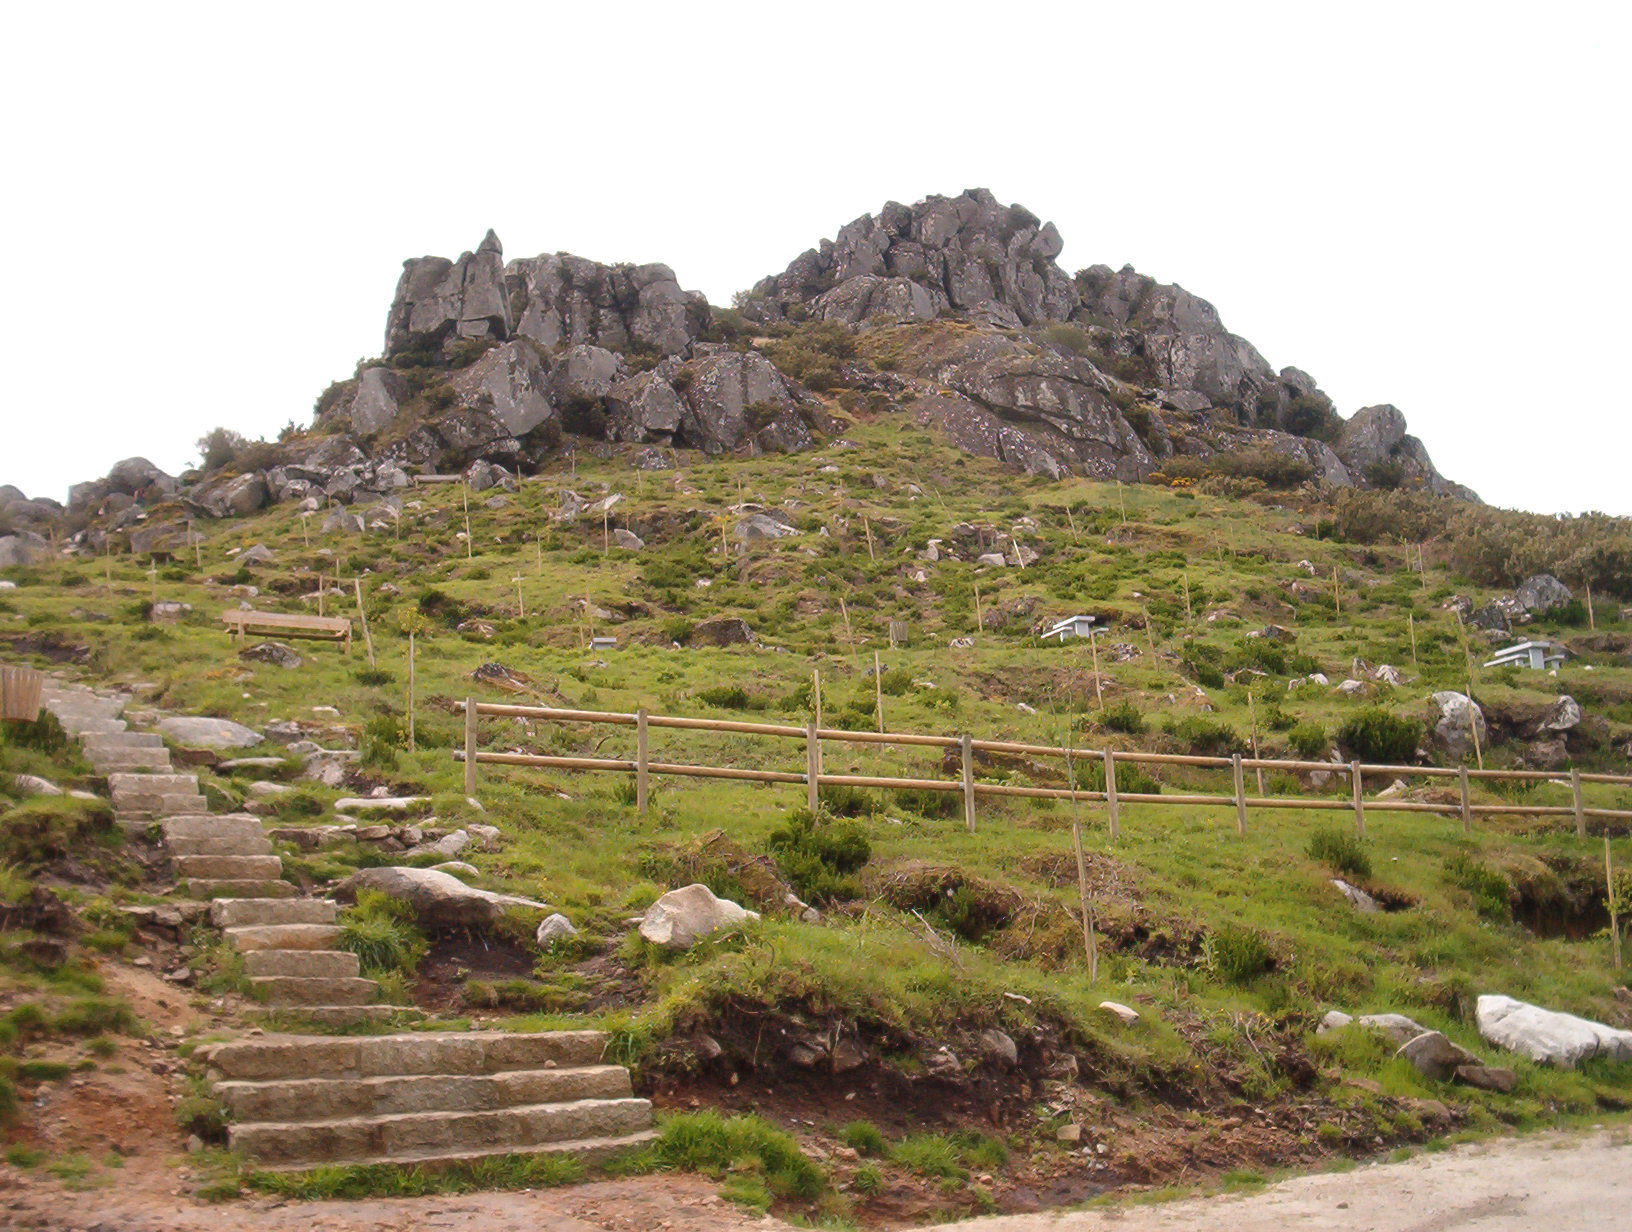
point(382, 932)
point(396, 1181)
point(716, 1145)
point(1341, 851)
point(864, 1137)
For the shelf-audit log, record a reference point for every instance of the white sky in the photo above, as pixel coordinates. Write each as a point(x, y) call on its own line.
point(1424, 204)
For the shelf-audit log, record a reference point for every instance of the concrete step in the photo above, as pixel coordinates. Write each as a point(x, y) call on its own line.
point(97, 742)
point(284, 936)
point(317, 964)
point(314, 990)
point(229, 868)
point(258, 1058)
point(287, 1144)
point(225, 845)
point(206, 887)
point(240, 912)
point(206, 824)
point(328, 1099)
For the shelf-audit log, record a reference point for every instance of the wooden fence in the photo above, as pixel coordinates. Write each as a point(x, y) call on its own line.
point(814, 777)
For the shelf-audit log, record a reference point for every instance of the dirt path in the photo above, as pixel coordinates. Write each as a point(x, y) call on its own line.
point(1554, 1182)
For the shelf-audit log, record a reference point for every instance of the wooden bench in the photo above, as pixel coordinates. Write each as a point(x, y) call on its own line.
point(288, 624)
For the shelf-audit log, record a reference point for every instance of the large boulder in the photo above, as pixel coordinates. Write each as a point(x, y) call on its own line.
point(1564, 715)
point(235, 496)
point(683, 917)
point(440, 900)
point(1542, 593)
point(1436, 1056)
point(196, 731)
point(377, 402)
point(24, 549)
point(1459, 717)
point(139, 477)
point(722, 631)
point(510, 383)
point(1548, 1036)
point(734, 398)
point(439, 301)
point(565, 301)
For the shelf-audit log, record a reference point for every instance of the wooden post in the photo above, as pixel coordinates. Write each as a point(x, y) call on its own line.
point(1189, 616)
point(1121, 502)
point(1337, 592)
point(1359, 783)
point(606, 532)
point(1422, 566)
point(1113, 810)
point(470, 747)
point(198, 545)
point(868, 527)
point(153, 581)
point(1613, 902)
point(980, 618)
point(966, 749)
point(410, 690)
point(642, 775)
point(813, 767)
point(538, 549)
point(1411, 624)
point(1467, 805)
point(470, 548)
point(816, 692)
point(1150, 634)
point(1240, 779)
point(1090, 942)
point(368, 638)
point(878, 691)
point(521, 607)
point(1580, 811)
point(1099, 693)
point(1592, 620)
point(305, 535)
point(1252, 711)
point(107, 571)
point(1071, 518)
point(1473, 726)
point(849, 640)
point(322, 594)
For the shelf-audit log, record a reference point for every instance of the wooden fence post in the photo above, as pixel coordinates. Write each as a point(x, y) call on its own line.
point(966, 749)
point(1613, 901)
point(1189, 616)
point(1467, 805)
point(1113, 810)
point(1240, 793)
point(1359, 783)
point(878, 691)
point(470, 746)
point(1093, 644)
point(1090, 941)
point(1580, 811)
point(362, 615)
point(980, 618)
point(642, 778)
point(813, 768)
point(816, 692)
point(1411, 624)
point(410, 690)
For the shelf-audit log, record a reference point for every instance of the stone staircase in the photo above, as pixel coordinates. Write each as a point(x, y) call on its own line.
point(301, 1101)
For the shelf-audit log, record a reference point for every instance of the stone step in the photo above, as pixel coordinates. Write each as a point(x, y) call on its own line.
point(590, 1150)
point(313, 990)
point(158, 808)
point(327, 1099)
point(224, 845)
point(316, 964)
point(207, 887)
point(293, 1144)
point(154, 784)
point(241, 912)
point(229, 868)
point(264, 1057)
point(284, 936)
point(97, 742)
point(84, 708)
point(78, 726)
point(332, 1017)
point(203, 823)
point(123, 761)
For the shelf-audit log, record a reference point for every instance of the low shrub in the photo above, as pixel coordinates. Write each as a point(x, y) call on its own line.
point(1122, 716)
point(1237, 955)
point(819, 856)
point(717, 1145)
point(1341, 851)
point(1205, 736)
point(383, 933)
point(1309, 740)
point(1490, 889)
point(1378, 736)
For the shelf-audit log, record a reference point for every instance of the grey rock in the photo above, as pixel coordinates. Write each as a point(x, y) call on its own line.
point(627, 540)
point(1459, 716)
point(1435, 1056)
point(566, 301)
point(755, 526)
point(236, 496)
point(999, 1047)
point(377, 402)
point(868, 297)
point(554, 928)
point(1495, 1078)
point(1358, 898)
point(440, 900)
point(1397, 1027)
point(734, 399)
point(343, 521)
point(139, 477)
point(683, 917)
point(722, 631)
point(1548, 1037)
point(646, 407)
point(439, 301)
point(24, 549)
point(511, 384)
point(260, 554)
point(276, 653)
point(1542, 593)
point(34, 785)
point(196, 731)
point(169, 612)
point(586, 373)
point(1562, 716)
point(1335, 1020)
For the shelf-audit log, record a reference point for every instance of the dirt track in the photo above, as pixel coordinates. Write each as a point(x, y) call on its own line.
point(1550, 1183)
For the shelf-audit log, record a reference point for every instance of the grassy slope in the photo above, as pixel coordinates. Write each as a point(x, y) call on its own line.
point(575, 841)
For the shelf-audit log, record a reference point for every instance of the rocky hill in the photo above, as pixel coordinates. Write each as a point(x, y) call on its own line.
point(954, 311)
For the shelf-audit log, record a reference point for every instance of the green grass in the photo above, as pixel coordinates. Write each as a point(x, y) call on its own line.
point(393, 1181)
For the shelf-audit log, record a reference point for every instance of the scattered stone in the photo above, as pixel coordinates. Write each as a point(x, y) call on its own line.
point(275, 653)
point(1542, 593)
point(1127, 1014)
point(263, 788)
point(1000, 1047)
point(448, 845)
point(1435, 1056)
point(1488, 1077)
point(169, 612)
point(1562, 716)
point(1456, 711)
point(681, 918)
point(439, 900)
point(554, 928)
point(485, 837)
point(34, 785)
point(394, 804)
point(1071, 1132)
point(1548, 1036)
point(1335, 1020)
point(1358, 898)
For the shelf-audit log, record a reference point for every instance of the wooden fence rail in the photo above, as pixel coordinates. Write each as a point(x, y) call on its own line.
point(813, 777)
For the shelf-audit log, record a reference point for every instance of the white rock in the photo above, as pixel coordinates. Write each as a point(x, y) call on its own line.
point(1548, 1036)
point(486, 837)
point(1335, 1020)
point(1126, 1013)
point(1358, 898)
point(264, 789)
point(448, 845)
point(457, 868)
point(683, 917)
point(553, 929)
point(34, 785)
point(363, 804)
point(200, 732)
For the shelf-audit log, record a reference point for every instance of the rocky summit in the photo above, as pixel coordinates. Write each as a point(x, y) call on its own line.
point(954, 311)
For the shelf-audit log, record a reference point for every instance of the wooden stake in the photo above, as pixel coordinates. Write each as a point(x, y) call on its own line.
point(813, 767)
point(107, 571)
point(1113, 810)
point(1240, 779)
point(1422, 566)
point(816, 692)
point(538, 548)
point(368, 638)
point(868, 527)
point(1580, 811)
point(1099, 693)
point(322, 592)
point(1467, 804)
point(606, 532)
point(470, 747)
point(1411, 624)
point(1592, 620)
point(198, 546)
point(1252, 711)
point(1614, 904)
point(470, 543)
point(1073, 522)
point(411, 691)
point(1359, 783)
point(305, 535)
point(878, 690)
point(1090, 942)
point(642, 774)
point(1121, 502)
point(153, 581)
point(1337, 592)
point(966, 751)
point(1473, 712)
point(980, 618)
point(1189, 615)
point(1150, 634)
point(849, 639)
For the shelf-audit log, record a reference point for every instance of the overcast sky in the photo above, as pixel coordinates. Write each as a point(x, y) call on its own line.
point(1423, 204)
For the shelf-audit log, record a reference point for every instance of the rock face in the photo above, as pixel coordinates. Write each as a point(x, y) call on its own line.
point(438, 300)
point(1542, 593)
point(683, 917)
point(1547, 1036)
point(1459, 716)
point(1375, 437)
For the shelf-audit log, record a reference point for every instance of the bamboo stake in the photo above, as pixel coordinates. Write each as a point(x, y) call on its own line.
point(849, 638)
point(1070, 518)
point(1099, 693)
point(980, 619)
point(816, 692)
point(1150, 635)
point(410, 690)
point(1613, 901)
point(1337, 591)
point(521, 607)
point(1422, 566)
point(1121, 502)
point(1467, 807)
point(107, 571)
point(868, 527)
point(362, 615)
point(1090, 942)
point(1411, 624)
point(1592, 620)
point(1189, 616)
point(878, 691)
point(813, 768)
point(1252, 711)
point(470, 548)
point(1473, 712)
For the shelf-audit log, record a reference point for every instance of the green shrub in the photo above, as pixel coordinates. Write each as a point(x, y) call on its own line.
point(383, 737)
point(1341, 851)
point(1069, 338)
point(724, 696)
point(864, 1138)
point(929, 1155)
point(1309, 740)
point(841, 800)
point(372, 677)
point(44, 734)
point(1123, 716)
point(1205, 736)
point(927, 802)
point(819, 856)
point(1491, 891)
point(382, 931)
point(1237, 955)
point(1375, 735)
